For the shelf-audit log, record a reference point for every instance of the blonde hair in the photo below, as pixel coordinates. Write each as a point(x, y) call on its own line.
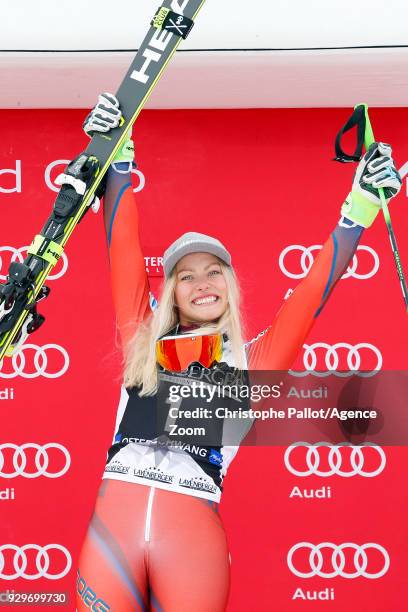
point(140, 354)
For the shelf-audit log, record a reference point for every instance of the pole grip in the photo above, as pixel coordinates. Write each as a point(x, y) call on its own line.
point(368, 130)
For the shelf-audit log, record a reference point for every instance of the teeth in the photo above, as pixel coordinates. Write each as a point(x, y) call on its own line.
point(208, 300)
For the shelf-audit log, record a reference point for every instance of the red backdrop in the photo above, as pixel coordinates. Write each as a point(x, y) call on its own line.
point(262, 181)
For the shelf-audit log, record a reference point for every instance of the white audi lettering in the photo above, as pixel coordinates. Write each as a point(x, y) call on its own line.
point(353, 365)
point(41, 357)
point(19, 256)
point(23, 564)
point(20, 457)
point(17, 174)
point(322, 595)
point(7, 394)
point(361, 558)
point(323, 493)
point(6, 494)
point(341, 459)
point(319, 393)
point(307, 260)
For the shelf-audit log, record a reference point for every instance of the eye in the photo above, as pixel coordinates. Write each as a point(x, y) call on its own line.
point(186, 277)
point(215, 272)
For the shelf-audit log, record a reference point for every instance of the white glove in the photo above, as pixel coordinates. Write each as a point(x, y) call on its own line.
point(104, 116)
point(375, 170)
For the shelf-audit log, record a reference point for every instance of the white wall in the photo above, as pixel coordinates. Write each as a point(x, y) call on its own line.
point(222, 24)
point(239, 53)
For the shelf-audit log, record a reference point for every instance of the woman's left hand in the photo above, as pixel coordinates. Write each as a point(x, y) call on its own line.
point(376, 170)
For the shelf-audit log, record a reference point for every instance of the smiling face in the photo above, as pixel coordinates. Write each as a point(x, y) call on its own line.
point(201, 292)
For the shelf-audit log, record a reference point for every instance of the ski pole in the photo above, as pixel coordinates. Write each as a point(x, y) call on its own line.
point(365, 135)
point(368, 140)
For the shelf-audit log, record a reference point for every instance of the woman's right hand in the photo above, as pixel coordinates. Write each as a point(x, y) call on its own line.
point(105, 115)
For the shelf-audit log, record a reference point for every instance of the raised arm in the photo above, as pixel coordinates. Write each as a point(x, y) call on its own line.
point(278, 346)
point(130, 284)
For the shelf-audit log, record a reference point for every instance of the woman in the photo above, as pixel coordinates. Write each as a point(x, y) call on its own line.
point(156, 539)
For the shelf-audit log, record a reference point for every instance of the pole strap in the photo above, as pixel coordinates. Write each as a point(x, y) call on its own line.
point(358, 121)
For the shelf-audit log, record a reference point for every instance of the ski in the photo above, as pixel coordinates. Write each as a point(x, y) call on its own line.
point(82, 180)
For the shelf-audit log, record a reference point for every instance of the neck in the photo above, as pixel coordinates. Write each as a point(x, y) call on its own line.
point(186, 328)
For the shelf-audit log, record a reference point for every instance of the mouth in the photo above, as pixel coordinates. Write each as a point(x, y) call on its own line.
point(208, 300)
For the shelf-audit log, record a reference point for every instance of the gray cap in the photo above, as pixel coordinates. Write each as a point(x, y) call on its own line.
point(192, 242)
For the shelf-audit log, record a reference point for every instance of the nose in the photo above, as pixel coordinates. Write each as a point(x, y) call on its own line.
point(202, 283)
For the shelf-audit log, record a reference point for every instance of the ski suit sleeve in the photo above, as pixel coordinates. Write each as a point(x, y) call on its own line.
point(276, 348)
point(130, 285)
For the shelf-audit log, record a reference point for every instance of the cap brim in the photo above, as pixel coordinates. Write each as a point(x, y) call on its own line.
point(196, 247)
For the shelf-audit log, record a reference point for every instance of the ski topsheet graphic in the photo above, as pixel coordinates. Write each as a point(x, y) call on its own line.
point(82, 179)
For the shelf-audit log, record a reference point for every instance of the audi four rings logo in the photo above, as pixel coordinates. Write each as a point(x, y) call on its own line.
point(19, 255)
point(20, 457)
point(363, 555)
point(307, 259)
point(50, 361)
point(44, 559)
point(352, 359)
point(336, 462)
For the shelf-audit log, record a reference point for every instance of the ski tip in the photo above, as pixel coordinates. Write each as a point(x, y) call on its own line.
point(361, 104)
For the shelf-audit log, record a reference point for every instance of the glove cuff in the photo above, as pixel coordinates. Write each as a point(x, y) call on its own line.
point(126, 152)
point(358, 209)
